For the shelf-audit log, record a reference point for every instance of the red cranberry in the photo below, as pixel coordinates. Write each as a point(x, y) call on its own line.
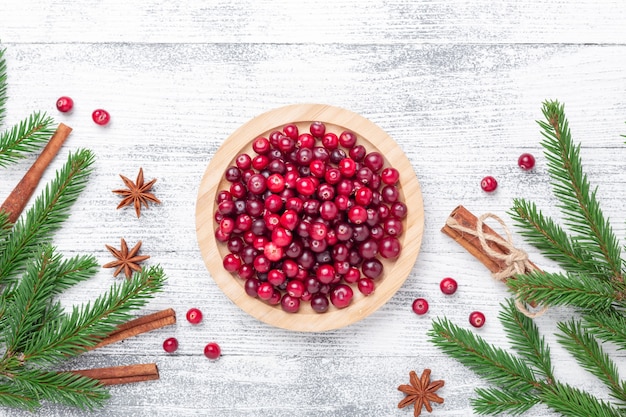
point(390, 176)
point(372, 268)
point(526, 161)
point(101, 117)
point(353, 275)
point(389, 247)
point(170, 345)
point(319, 303)
point(357, 214)
point(231, 262)
point(330, 141)
point(448, 285)
point(325, 274)
point(252, 286)
point(261, 145)
point(366, 286)
point(65, 104)
point(341, 296)
point(243, 161)
point(477, 319)
point(290, 304)
point(357, 153)
point(295, 288)
point(347, 139)
point(398, 210)
point(317, 129)
point(374, 161)
point(194, 316)
point(488, 184)
point(212, 351)
point(265, 291)
point(420, 306)
point(291, 131)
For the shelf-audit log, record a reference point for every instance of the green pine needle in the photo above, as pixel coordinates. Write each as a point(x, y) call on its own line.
point(524, 336)
point(46, 215)
point(493, 401)
point(494, 364)
point(590, 355)
point(14, 396)
point(26, 137)
point(557, 289)
point(571, 186)
point(608, 326)
point(572, 402)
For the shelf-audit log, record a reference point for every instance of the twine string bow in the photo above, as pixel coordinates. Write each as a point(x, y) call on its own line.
point(515, 259)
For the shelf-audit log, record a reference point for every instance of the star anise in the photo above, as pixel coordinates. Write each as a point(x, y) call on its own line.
point(421, 392)
point(137, 193)
point(127, 261)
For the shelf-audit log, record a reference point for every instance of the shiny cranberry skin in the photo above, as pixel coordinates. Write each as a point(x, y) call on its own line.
point(326, 192)
point(393, 226)
point(231, 262)
point(364, 175)
point(363, 196)
point(170, 345)
point(329, 211)
point(390, 194)
point(398, 210)
point(289, 219)
point(232, 174)
point(275, 183)
point(489, 184)
point(526, 161)
point(318, 231)
point(330, 141)
point(306, 140)
point(276, 277)
point(290, 304)
point(325, 274)
point(332, 175)
point(243, 161)
point(368, 249)
point(291, 131)
point(305, 186)
point(420, 306)
point(448, 285)
point(319, 303)
point(477, 319)
point(374, 161)
point(390, 176)
point(235, 245)
point(372, 268)
point(252, 286)
point(347, 139)
point(366, 286)
point(65, 104)
point(389, 247)
point(246, 271)
point(261, 263)
point(357, 214)
point(353, 275)
point(317, 129)
point(295, 288)
point(357, 153)
point(212, 351)
point(261, 145)
point(341, 296)
point(273, 252)
point(101, 117)
point(265, 291)
point(194, 316)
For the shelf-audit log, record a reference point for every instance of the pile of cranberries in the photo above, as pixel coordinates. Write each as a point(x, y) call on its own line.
point(307, 214)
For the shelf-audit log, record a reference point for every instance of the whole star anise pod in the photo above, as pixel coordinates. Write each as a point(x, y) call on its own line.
point(127, 261)
point(136, 193)
point(421, 392)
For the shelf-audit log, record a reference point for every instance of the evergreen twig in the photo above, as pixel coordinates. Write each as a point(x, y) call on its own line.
point(26, 137)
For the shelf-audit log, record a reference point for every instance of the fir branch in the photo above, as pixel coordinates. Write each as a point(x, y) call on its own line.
point(579, 205)
point(557, 289)
point(494, 364)
point(494, 401)
point(26, 137)
point(51, 208)
point(3, 86)
point(590, 355)
point(14, 396)
point(608, 326)
point(553, 242)
point(573, 402)
point(83, 328)
point(62, 387)
point(526, 340)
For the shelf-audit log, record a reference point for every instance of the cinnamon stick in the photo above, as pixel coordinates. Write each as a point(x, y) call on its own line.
point(472, 243)
point(17, 200)
point(138, 326)
point(122, 374)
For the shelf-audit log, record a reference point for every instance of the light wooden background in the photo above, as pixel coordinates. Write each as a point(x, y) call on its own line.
point(458, 84)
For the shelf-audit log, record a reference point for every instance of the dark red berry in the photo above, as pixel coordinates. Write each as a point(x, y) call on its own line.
point(194, 316)
point(420, 306)
point(448, 285)
point(526, 161)
point(341, 296)
point(488, 184)
point(65, 104)
point(212, 351)
point(170, 345)
point(366, 286)
point(477, 319)
point(101, 117)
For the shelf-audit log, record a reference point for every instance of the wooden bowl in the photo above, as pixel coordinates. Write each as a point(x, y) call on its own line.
point(336, 120)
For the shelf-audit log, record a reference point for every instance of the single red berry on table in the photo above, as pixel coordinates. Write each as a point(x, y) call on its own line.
point(170, 345)
point(101, 117)
point(194, 316)
point(488, 184)
point(477, 319)
point(420, 306)
point(366, 286)
point(65, 104)
point(526, 161)
point(212, 350)
point(448, 285)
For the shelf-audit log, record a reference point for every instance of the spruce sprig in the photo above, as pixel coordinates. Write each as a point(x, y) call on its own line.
point(591, 283)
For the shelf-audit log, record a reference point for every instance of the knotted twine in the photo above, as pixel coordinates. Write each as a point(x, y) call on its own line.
point(516, 260)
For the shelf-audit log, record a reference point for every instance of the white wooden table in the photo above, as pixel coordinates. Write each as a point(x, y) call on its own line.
point(458, 84)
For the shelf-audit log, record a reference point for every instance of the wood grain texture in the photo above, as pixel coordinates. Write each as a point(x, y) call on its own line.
point(458, 85)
